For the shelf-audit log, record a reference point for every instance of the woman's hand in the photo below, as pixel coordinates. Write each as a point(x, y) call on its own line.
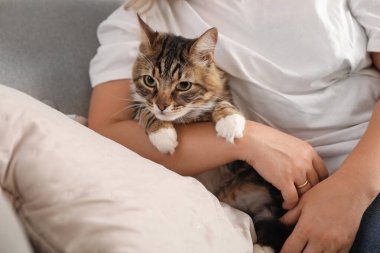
point(283, 160)
point(327, 216)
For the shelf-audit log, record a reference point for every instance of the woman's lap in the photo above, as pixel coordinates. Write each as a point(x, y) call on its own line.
point(368, 237)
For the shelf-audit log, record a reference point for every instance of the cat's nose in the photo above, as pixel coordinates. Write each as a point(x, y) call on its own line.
point(162, 106)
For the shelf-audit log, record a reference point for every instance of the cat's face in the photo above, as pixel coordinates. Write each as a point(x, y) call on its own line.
point(176, 77)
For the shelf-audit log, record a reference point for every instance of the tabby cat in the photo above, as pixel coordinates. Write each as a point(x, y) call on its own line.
point(176, 81)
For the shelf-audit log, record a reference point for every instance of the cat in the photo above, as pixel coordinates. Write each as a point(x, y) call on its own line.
point(176, 81)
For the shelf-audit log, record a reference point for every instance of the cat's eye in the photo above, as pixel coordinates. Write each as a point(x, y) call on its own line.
point(184, 86)
point(149, 81)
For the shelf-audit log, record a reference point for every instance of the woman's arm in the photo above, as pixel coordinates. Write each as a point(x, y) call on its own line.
point(283, 160)
point(338, 203)
point(110, 115)
point(376, 59)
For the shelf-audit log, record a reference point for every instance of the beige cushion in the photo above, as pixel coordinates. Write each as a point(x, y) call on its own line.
point(76, 191)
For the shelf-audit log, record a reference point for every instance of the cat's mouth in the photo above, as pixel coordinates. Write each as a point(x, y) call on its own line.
point(181, 114)
point(169, 114)
point(165, 117)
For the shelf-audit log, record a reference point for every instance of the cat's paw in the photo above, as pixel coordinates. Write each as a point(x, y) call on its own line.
point(165, 140)
point(230, 127)
point(262, 249)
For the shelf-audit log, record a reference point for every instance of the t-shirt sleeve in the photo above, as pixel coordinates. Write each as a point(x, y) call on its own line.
point(118, 36)
point(367, 13)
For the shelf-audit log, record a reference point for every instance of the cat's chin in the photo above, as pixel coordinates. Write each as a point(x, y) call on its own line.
point(165, 117)
point(170, 117)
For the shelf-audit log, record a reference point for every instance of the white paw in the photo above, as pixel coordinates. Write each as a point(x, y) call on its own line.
point(230, 127)
point(165, 140)
point(262, 249)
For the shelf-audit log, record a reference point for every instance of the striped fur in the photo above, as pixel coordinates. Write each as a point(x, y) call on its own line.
point(170, 60)
point(163, 69)
point(246, 190)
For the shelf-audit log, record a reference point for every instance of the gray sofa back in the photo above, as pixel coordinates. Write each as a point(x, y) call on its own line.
point(46, 46)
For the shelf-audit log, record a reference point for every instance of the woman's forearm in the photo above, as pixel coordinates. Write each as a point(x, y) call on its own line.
point(283, 160)
point(362, 167)
point(376, 59)
point(198, 150)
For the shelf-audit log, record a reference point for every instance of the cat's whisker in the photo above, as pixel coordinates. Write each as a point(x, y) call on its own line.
point(131, 107)
point(200, 108)
point(126, 99)
point(119, 98)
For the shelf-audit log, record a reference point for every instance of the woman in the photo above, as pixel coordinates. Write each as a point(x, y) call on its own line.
point(304, 74)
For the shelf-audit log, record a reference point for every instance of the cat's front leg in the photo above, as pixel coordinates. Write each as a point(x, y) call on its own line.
point(229, 123)
point(161, 134)
point(164, 139)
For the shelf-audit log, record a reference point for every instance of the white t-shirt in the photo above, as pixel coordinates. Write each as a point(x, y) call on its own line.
point(300, 66)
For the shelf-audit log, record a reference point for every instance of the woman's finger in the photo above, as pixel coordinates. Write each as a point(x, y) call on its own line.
point(295, 243)
point(291, 217)
point(312, 248)
point(301, 189)
point(290, 196)
point(309, 180)
point(312, 176)
point(319, 166)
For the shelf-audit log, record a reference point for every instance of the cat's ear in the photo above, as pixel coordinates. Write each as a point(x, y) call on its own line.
point(148, 35)
point(204, 46)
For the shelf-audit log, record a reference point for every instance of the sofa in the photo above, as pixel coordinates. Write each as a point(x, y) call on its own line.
point(46, 46)
point(65, 188)
point(45, 49)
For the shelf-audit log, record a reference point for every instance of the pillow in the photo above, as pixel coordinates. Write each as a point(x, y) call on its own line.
point(76, 191)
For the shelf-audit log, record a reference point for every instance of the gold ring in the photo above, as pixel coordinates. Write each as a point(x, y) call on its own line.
point(302, 185)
